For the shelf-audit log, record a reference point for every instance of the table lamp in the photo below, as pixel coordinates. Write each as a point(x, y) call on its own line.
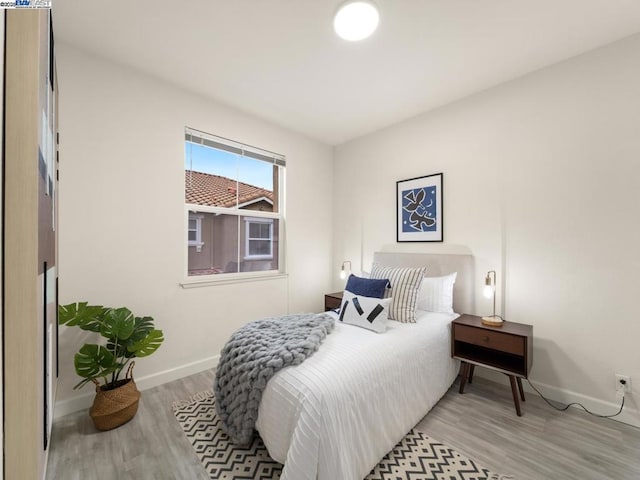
point(490, 292)
point(343, 272)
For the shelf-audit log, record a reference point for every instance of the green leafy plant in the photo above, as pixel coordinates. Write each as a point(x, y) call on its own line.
point(126, 337)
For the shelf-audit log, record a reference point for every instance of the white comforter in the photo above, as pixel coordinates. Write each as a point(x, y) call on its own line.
point(337, 414)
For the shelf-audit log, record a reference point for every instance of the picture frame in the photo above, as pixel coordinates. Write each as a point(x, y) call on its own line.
point(419, 209)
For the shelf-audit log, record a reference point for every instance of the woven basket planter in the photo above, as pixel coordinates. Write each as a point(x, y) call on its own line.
point(115, 407)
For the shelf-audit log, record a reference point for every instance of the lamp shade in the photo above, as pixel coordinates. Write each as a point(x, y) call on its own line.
point(356, 20)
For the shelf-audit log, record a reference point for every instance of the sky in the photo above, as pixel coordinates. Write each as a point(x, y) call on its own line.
point(218, 162)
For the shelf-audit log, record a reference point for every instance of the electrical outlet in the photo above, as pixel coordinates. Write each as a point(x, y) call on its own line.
point(627, 382)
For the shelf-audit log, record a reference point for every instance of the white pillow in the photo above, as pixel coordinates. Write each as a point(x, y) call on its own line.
point(436, 294)
point(366, 312)
point(405, 284)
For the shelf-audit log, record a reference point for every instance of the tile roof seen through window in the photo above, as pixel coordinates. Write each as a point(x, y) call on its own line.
point(216, 191)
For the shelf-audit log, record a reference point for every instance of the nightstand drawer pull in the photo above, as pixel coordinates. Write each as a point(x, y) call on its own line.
point(495, 340)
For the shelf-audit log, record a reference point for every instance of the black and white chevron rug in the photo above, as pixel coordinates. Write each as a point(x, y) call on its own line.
point(416, 457)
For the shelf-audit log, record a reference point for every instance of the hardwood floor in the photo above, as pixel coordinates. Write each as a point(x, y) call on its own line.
point(543, 444)
point(151, 446)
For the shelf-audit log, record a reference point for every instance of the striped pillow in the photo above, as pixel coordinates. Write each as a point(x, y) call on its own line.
point(405, 285)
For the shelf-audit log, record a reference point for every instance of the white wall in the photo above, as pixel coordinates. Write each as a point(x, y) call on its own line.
point(541, 182)
point(122, 216)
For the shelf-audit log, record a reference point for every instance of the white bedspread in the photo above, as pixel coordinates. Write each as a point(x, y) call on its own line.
point(336, 415)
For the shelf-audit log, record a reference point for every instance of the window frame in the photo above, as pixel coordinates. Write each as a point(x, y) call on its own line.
point(190, 210)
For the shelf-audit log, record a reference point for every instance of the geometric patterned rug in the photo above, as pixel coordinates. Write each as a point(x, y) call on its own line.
point(416, 457)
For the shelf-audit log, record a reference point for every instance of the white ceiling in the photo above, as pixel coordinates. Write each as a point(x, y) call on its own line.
point(280, 59)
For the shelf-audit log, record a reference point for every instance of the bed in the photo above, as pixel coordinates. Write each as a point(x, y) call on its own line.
point(338, 413)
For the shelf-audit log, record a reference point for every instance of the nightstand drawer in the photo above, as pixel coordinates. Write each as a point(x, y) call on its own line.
point(490, 339)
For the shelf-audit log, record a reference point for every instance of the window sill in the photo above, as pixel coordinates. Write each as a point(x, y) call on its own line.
point(230, 278)
point(258, 257)
point(198, 245)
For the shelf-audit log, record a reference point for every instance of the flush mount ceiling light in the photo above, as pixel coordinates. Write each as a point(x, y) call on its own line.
point(356, 20)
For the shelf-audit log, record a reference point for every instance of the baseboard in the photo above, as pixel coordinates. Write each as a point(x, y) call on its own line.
point(82, 402)
point(629, 415)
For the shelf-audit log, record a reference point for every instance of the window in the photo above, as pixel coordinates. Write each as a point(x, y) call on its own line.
point(259, 238)
point(195, 231)
point(233, 207)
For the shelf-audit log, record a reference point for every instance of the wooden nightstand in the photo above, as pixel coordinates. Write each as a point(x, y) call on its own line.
point(507, 349)
point(332, 300)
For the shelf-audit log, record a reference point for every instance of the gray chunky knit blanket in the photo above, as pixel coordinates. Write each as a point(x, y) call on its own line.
point(253, 354)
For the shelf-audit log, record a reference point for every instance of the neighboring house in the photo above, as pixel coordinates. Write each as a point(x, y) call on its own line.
point(220, 243)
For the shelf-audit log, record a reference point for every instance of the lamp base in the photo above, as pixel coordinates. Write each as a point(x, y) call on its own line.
point(492, 321)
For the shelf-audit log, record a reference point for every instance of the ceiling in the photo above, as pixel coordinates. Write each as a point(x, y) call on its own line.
point(280, 59)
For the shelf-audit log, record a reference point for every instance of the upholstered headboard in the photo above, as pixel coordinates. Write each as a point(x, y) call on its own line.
point(437, 265)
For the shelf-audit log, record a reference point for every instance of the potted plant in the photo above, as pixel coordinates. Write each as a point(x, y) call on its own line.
point(127, 337)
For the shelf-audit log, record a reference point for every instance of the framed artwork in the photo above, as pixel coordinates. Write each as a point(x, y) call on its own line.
point(419, 209)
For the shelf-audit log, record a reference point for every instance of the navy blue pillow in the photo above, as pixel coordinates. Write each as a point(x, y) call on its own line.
point(367, 287)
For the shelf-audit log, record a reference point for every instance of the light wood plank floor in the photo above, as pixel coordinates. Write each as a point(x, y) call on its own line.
point(543, 444)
